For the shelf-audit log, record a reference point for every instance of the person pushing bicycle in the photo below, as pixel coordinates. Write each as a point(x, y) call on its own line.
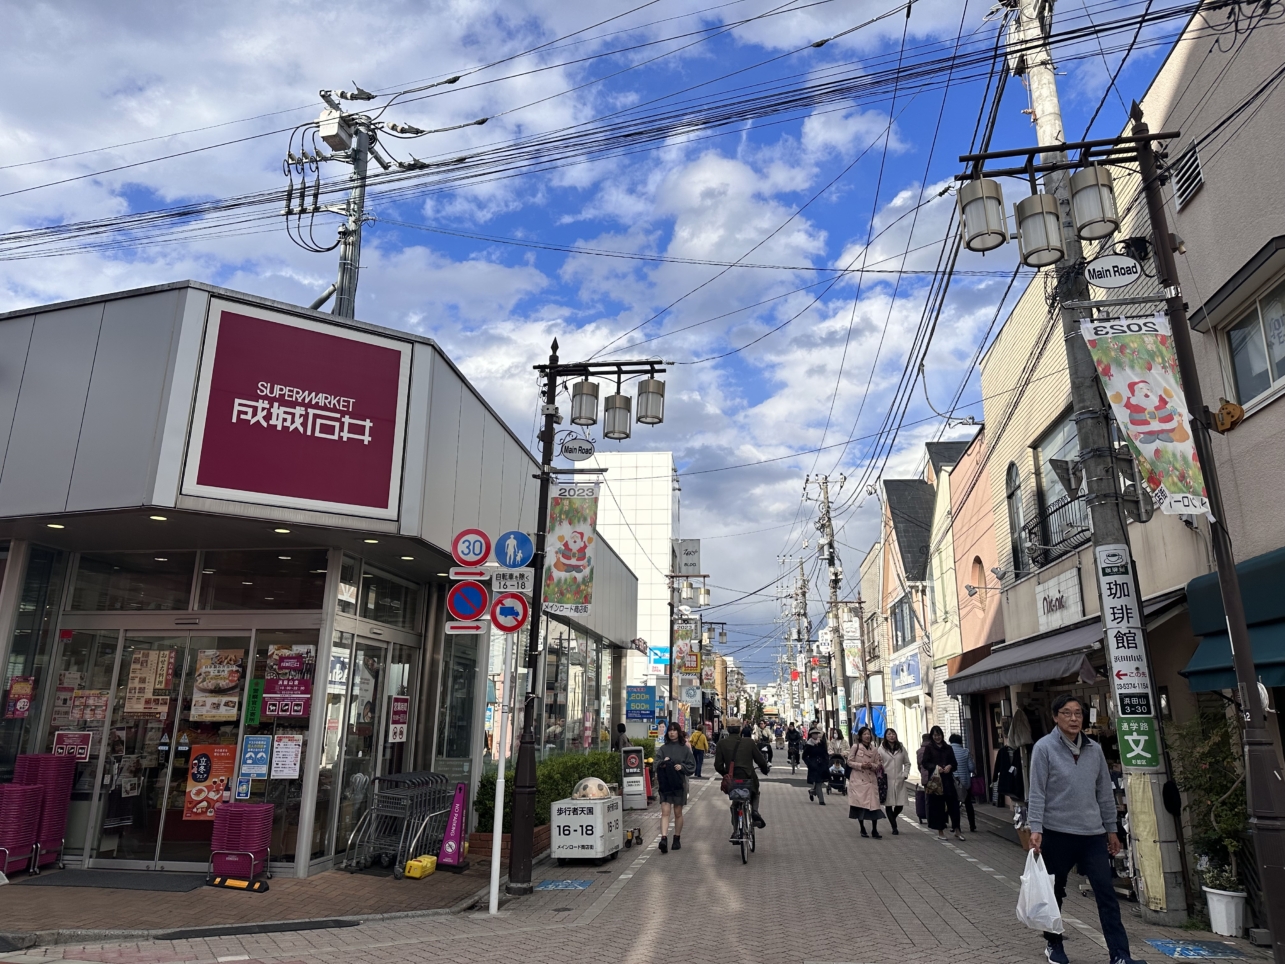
point(739, 755)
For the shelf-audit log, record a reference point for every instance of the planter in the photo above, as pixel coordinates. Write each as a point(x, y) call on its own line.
point(480, 844)
point(1226, 912)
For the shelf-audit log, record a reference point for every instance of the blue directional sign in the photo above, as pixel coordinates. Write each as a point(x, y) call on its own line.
point(514, 549)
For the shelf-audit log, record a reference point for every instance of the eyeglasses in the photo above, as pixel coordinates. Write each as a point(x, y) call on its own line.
point(1070, 713)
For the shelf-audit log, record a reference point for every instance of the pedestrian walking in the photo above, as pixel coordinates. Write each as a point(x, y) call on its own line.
point(936, 769)
point(964, 771)
point(816, 757)
point(863, 784)
point(896, 769)
point(700, 746)
point(620, 740)
point(673, 764)
point(1073, 821)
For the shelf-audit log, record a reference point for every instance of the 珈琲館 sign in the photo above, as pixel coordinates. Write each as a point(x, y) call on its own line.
point(296, 413)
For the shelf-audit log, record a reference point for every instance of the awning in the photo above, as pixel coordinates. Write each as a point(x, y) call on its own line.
point(1049, 658)
point(1211, 669)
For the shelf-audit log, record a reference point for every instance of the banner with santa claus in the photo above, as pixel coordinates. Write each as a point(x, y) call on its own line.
point(1139, 372)
point(568, 565)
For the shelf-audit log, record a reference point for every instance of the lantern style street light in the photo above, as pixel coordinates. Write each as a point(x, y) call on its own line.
point(1093, 206)
point(703, 597)
point(1039, 230)
point(981, 206)
point(616, 417)
point(651, 401)
point(584, 402)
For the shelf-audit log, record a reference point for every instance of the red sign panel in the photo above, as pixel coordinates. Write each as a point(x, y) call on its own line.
point(296, 413)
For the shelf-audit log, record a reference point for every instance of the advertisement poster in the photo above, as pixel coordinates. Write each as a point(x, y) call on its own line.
point(287, 751)
point(149, 671)
point(68, 683)
point(399, 718)
point(90, 704)
point(254, 756)
point(73, 744)
point(216, 685)
point(639, 701)
point(1139, 372)
point(21, 691)
point(568, 581)
point(209, 776)
point(287, 684)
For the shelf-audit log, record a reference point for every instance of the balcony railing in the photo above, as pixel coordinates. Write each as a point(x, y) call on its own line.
point(1063, 527)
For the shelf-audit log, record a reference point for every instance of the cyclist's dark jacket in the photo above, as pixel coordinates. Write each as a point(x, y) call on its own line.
point(743, 753)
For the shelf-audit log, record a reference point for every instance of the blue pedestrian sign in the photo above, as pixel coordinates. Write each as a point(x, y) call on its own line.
point(514, 549)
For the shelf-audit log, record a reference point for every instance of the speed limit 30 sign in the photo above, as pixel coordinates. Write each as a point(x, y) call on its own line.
point(471, 547)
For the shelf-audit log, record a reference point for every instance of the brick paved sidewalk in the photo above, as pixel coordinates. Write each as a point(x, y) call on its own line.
point(813, 892)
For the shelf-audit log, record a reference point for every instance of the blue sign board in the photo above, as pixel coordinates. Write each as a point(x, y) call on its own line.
point(514, 549)
point(254, 756)
point(243, 788)
point(640, 702)
point(905, 672)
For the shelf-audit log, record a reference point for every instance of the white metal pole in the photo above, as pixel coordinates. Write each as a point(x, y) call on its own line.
point(501, 743)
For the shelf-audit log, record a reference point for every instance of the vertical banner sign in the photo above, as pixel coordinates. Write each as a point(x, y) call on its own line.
point(568, 565)
point(1127, 665)
point(1135, 360)
point(398, 718)
point(451, 856)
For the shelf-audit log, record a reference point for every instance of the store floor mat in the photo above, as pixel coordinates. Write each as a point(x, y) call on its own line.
point(1197, 950)
point(118, 880)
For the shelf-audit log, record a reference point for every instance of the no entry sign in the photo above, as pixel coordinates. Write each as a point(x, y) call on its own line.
point(467, 600)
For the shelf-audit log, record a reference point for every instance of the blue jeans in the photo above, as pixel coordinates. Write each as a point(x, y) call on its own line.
point(1062, 852)
point(700, 758)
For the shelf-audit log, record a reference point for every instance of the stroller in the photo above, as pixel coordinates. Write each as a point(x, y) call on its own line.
point(838, 782)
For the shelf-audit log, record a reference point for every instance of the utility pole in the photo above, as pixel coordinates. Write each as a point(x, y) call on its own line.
point(350, 230)
point(1263, 789)
point(839, 679)
point(1091, 416)
point(803, 633)
point(865, 665)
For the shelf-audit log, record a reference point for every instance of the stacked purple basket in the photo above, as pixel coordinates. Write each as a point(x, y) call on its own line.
point(20, 807)
point(56, 774)
point(242, 836)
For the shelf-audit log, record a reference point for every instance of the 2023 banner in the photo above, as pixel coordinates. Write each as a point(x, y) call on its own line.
point(568, 567)
point(1136, 362)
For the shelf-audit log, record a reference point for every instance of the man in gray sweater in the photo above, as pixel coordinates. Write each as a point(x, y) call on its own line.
point(1073, 821)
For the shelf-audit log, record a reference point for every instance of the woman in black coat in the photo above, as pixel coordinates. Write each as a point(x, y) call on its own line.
point(936, 756)
point(816, 756)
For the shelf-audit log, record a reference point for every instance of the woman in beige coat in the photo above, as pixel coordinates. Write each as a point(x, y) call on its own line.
point(863, 784)
point(896, 767)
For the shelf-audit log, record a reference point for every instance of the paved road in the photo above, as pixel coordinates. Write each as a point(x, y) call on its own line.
point(814, 893)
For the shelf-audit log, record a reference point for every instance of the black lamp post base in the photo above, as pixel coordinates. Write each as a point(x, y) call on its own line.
point(519, 890)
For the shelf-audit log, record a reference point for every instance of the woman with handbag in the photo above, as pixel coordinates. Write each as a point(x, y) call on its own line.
point(674, 763)
point(896, 768)
point(863, 785)
point(936, 770)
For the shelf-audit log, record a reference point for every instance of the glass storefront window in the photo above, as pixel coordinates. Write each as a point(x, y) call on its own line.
point(133, 581)
point(454, 750)
point(386, 599)
point(336, 693)
point(263, 579)
point(30, 652)
point(347, 601)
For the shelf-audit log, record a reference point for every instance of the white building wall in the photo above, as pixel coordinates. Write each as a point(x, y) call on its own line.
point(637, 514)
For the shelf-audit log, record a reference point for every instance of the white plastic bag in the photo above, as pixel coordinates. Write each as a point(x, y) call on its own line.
point(1036, 903)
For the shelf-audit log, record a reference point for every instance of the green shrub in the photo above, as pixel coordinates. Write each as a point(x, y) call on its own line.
point(1207, 765)
point(555, 779)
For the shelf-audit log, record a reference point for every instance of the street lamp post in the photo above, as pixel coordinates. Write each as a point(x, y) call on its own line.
point(584, 412)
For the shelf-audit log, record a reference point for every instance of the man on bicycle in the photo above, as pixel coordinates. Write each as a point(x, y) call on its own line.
point(794, 740)
point(739, 755)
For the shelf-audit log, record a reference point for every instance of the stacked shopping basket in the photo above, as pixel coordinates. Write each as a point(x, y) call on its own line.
point(20, 807)
point(242, 835)
point(56, 774)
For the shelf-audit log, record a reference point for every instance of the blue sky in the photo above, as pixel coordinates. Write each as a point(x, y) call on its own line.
point(825, 179)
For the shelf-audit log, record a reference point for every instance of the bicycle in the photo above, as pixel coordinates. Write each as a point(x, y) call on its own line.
point(744, 822)
point(794, 759)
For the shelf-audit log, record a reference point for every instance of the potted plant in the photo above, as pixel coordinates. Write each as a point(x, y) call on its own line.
point(1226, 898)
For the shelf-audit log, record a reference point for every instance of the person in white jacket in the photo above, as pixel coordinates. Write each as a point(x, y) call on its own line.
point(896, 767)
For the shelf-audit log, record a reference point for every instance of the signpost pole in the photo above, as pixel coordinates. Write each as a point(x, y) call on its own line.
point(500, 739)
point(523, 840)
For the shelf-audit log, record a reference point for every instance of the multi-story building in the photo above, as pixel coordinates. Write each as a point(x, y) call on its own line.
point(945, 642)
point(638, 514)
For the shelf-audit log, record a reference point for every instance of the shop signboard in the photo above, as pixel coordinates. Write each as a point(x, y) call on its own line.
point(297, 413)
point(1058, 601)
point(287, 683)
point(688, 552)
point(399, 718)
point(640, 702)
point(255, 749)
point(209, 778)
point(905, 672)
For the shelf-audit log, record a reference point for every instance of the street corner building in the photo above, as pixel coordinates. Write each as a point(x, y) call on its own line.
point(224, 548)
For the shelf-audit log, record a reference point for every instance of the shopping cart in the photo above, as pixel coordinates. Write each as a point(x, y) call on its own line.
point(406, 818)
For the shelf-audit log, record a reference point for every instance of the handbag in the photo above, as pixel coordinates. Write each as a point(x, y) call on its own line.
point(933, 787)
point(882, 780)
point(978, 788)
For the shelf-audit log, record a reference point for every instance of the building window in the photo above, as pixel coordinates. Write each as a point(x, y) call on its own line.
point(386, 599)
point(903, 623)
point(133, 581)
point(1063, 523)
point(1256, 344)
point(1016, 527)
point(263, 579)
point(979, 580)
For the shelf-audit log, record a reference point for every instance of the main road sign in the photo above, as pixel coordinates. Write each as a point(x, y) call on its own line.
point(510, 612)
point(467, 601)
point(471, 547)
point(514, 549)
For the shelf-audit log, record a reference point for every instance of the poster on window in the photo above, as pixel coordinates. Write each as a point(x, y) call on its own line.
point(209, 779)
point(22, 690)
point(216, 685)
point(1139, 372)
point(287, 685)
point(568, 569)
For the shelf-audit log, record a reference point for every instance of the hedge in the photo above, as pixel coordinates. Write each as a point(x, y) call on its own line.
point(555, 779)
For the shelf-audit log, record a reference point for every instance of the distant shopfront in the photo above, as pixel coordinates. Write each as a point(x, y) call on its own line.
point(222, 524)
